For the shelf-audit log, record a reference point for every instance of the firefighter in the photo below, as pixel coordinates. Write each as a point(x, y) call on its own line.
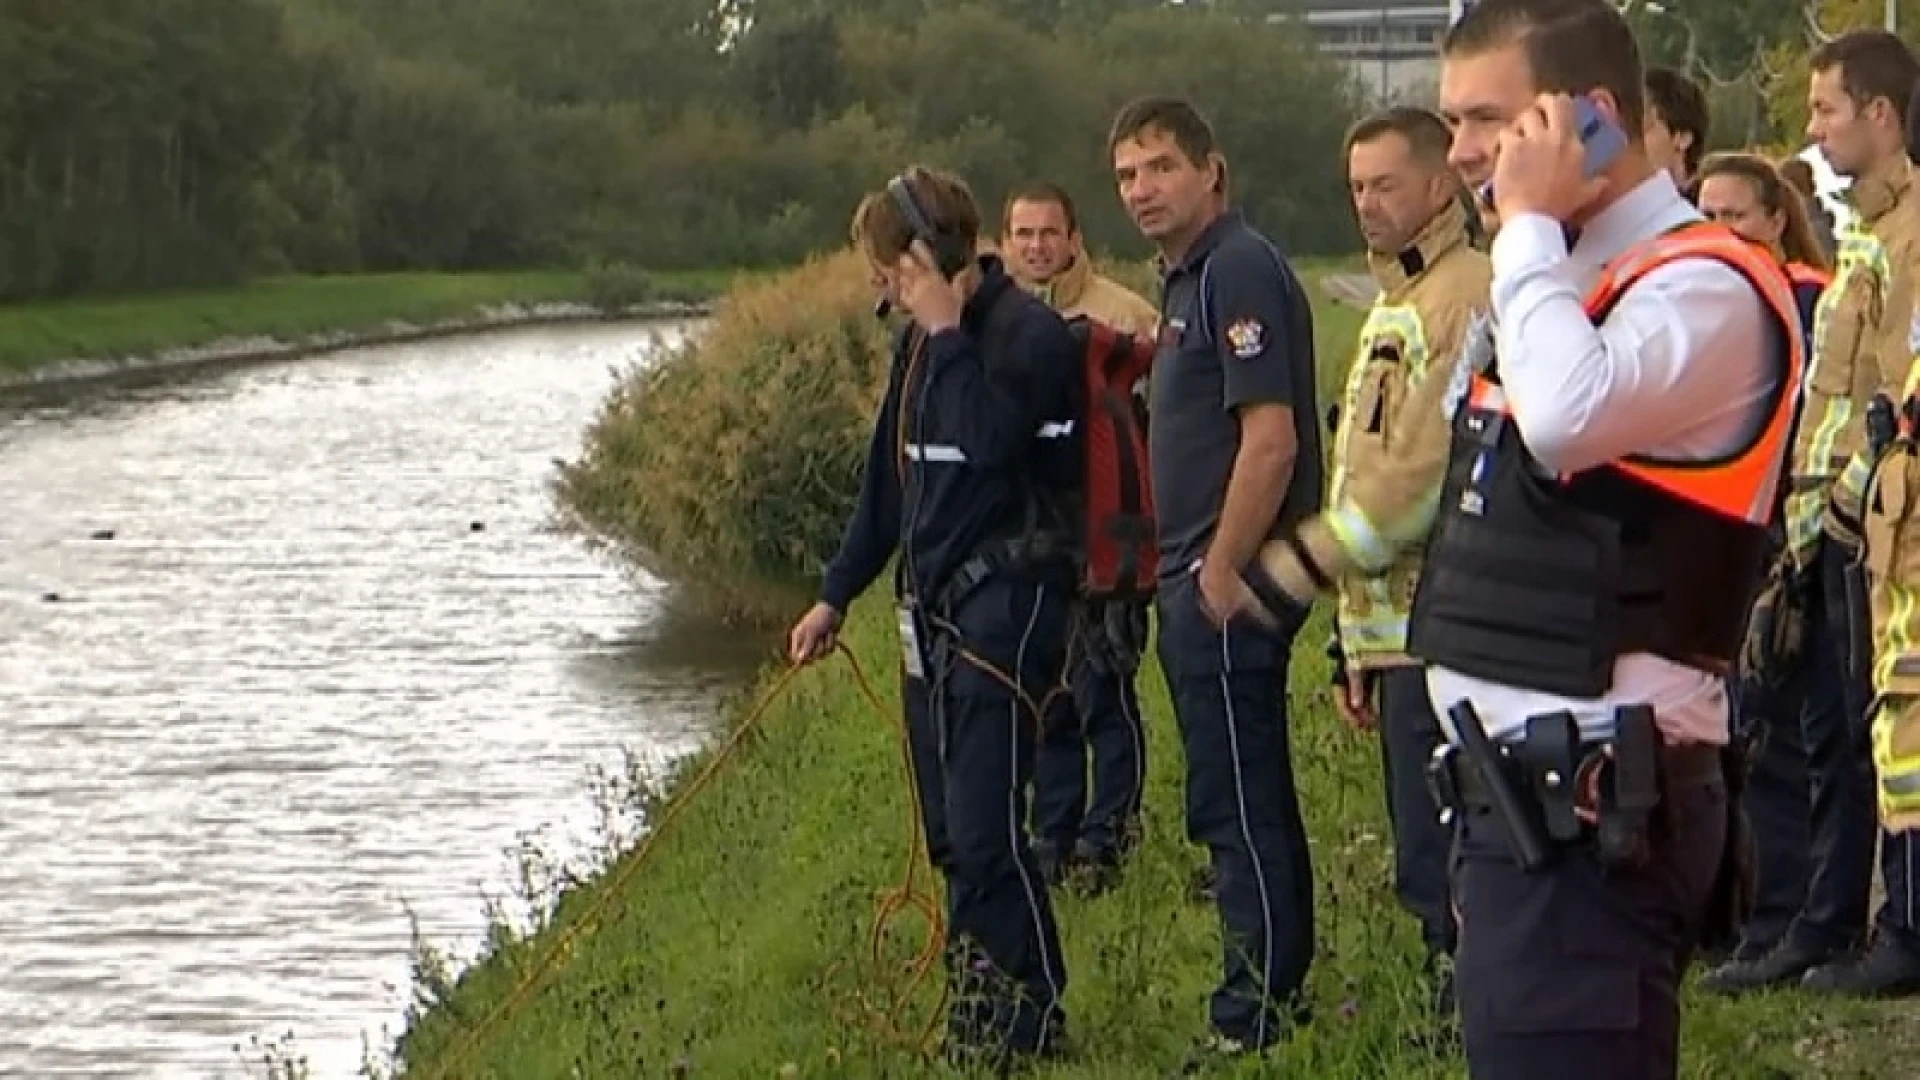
point(1389, 455)
point(1082, 836)
point(1860, 86)
point(1863, 86)
point(1618, 442)
point(971, 461)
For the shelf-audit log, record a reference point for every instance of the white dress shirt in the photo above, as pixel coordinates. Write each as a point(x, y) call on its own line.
point(1678, 370)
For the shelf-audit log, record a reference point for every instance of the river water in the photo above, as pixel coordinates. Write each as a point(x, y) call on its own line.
point(290, 651)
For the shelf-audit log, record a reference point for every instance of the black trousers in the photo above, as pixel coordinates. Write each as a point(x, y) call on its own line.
point(972, 737)
point(1102, 721)
point(1230, 698)
point(1409, 732)
point(1573, 971)
point(1831, 696)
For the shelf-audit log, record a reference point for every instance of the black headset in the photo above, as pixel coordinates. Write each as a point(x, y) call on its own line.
point(950, 252)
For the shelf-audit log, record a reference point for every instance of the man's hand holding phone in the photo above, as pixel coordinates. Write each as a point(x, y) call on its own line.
point(1546, 167)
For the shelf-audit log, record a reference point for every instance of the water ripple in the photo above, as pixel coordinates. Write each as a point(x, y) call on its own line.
point(329, 666)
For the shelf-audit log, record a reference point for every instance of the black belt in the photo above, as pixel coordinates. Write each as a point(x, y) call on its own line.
point(1028, 551)
point(1682, 768)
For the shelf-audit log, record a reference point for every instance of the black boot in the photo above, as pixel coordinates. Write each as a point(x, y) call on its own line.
point(1887, 969)
point(1785, 965)
point(1093, 871)
point(1053, 862)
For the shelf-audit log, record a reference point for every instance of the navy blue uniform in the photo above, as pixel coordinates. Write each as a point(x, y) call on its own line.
point(973, 451)
point(1777, 797)
point(1074, 822)
point(1237, 333)
point(1810, 796)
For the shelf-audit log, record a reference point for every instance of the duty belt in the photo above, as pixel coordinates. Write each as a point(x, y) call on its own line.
point(1555, 790)
point(1681, 768)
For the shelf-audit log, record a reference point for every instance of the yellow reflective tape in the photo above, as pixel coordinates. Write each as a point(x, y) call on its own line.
point(1861, 252)
point(1384, 632)
point(1895, 636)
point(1371, 551)
point(1898, 776)
point(1384, 322)
point(1855, 478)
point(1817, 453)
point(1803, 512)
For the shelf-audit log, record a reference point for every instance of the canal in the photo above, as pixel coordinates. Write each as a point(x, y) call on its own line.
point(293, 657)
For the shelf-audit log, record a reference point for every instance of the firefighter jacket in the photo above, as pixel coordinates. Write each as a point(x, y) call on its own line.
point(1890, 526)
point(1542, 581)
point(1079, 291)
point(1860, 348)
point(1391, 439)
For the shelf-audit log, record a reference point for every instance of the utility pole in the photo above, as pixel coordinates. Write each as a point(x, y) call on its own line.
point(1893, 16)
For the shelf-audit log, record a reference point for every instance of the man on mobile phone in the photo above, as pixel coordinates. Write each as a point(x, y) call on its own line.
point(1602, 526)
point(972, 461)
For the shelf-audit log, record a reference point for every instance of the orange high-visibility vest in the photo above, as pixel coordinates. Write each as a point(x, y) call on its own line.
point(1800, 273)
point(1738, 484)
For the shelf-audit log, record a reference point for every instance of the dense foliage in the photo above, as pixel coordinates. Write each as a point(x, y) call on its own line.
point(731, 466)
point(158, 143)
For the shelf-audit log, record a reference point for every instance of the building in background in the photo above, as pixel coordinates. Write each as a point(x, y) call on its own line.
point(1392, 47)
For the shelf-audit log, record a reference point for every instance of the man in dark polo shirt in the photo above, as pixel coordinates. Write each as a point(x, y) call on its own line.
point(1236, 459)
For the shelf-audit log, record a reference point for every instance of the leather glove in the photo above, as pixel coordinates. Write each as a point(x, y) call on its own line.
point(1336, 663)
point(1776, 635)
point(1841, 520)
point(1124, 626)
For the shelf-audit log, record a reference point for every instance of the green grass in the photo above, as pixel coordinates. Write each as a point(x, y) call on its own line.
point(736, 949)
point(33, 334)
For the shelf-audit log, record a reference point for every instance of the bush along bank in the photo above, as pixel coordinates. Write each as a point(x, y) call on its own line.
point(740, 948)
point(731, 466)
point(278, 318)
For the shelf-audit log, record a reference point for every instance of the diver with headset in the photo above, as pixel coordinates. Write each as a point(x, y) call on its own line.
point(970, 478)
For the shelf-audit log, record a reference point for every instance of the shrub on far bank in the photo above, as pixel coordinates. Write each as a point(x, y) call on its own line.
point(729, 466)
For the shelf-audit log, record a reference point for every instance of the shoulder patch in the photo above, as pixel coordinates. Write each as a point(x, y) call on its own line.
point(1247, 338)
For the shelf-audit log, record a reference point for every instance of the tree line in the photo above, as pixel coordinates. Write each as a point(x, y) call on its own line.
point(166, 143)
point(150, 144)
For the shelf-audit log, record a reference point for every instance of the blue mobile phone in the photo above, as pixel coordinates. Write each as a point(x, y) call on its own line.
point(1602, 138)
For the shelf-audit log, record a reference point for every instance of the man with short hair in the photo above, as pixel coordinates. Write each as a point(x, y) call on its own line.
point(1862, 86)
point(969, 477)
point(1858, 92)
point(1235, 449)
point(1080, 838)
point(1676, 125)
point(1617, 441)
point(1046, 253)
point(1389, 458)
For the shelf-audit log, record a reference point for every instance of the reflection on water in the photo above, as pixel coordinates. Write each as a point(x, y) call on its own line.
point(290, 650)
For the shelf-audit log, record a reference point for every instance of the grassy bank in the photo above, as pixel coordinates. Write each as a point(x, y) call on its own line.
point(287, 308)
point(737, 949)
